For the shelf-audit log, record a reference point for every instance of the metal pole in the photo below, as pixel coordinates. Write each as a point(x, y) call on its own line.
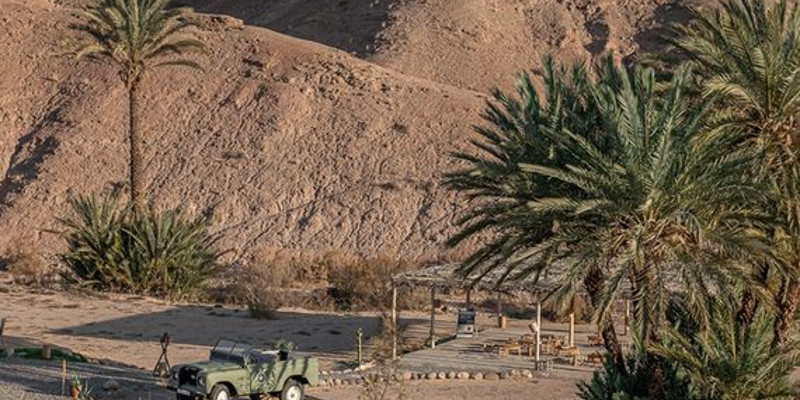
point(538, 331)
point(433, 317)
point(394, 321)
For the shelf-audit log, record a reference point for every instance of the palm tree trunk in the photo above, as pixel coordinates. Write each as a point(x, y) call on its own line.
point(595, 284)
point(749, 303)
point(136, 167)
point(787, 301)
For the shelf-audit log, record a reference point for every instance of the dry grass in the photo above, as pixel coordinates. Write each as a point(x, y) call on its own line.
point(271, 279)
point(29, 268)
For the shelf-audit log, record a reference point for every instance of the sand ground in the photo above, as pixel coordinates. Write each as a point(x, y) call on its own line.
point(126, 329)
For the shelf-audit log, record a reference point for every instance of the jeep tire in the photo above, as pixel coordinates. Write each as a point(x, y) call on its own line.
point(219, 392)
point(292, 390)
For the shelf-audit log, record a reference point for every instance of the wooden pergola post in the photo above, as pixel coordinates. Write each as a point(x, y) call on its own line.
point(539, 330)
point(394, 321)
point(469, 297)
point(433, 317)
point(571, 329)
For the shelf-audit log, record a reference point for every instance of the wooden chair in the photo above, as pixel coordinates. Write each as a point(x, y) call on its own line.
point(595, 358)
point(574, 353)
point(508, 348)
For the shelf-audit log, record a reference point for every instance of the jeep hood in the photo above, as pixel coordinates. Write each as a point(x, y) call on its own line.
point(214, 366)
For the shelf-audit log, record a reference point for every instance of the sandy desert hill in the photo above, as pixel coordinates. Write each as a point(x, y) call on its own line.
point(317, 125)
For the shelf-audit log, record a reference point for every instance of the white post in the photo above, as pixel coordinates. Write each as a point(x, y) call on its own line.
point(571, 330)
point(394, 321)
point(538, 331)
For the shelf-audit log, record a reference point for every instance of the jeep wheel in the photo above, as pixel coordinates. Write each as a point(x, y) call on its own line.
point(293, 390)
point(219, 392)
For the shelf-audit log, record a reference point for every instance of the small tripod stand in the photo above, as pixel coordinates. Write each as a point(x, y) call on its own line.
point(162, 365)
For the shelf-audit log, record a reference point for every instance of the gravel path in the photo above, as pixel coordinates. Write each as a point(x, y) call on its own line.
point(39, 380)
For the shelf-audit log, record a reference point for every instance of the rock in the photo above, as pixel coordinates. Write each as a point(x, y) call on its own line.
point(216, 23)
point(337, 382)
point(441, 375)
point(406, 375)
point(431, 375)
point(527, 374)
point(111, 384)
point(462, 375)
point(354, 382)
point(451, 375)
point(476, 376)
point(514, 373)
point(491, 376)
point(505, 375)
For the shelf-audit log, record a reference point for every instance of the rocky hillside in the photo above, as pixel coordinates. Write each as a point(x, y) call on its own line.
point(330, 135)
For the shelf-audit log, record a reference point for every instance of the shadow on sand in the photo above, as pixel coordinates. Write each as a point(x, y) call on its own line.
point(317, 333)
point(349, 25)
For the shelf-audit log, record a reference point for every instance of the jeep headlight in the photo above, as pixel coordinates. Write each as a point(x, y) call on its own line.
point(201, 381)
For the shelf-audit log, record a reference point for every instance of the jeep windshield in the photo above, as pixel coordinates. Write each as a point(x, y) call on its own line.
point(229, 351)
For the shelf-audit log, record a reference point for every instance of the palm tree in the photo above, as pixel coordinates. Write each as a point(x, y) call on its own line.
point(729, 363)
point(748, 54)
point(494, 178)
point(137, 36)
point(639, 190)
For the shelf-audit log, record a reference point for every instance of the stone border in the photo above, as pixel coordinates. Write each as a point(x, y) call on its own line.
point(403, 376)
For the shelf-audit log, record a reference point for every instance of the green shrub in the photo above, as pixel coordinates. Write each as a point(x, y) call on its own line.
point(609, 383)
point(163, 254)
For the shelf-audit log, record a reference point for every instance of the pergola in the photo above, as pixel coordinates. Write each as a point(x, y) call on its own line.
point(441, 277)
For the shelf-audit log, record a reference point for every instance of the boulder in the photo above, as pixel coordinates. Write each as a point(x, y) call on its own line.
point(441, 375)
point(451, 375)
point(462, 375)
point(527, 374)
point(476, 376)
point(491, 376)
point(505, 375)
point(407, 375)
point(431, 375)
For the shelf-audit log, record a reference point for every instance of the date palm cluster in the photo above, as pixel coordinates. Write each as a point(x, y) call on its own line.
point(675, 188)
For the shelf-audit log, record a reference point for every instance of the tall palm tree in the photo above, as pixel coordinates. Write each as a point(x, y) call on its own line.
point(639, 190)
point(137, 36)
point(726, 362)
point(494, 179)
point(748, 54)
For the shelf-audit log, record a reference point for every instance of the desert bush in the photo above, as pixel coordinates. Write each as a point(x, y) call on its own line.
point(363, 283)
point(269, 280)
point(164, 254)
point(28, 268)
point(384, 383)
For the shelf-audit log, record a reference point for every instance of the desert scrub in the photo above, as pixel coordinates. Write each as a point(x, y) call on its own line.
point(165, 254)
point(26, 267)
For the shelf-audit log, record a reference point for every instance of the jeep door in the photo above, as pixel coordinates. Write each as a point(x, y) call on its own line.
point(264, 377)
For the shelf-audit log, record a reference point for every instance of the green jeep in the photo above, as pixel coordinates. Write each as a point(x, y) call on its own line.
point(236, 370)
